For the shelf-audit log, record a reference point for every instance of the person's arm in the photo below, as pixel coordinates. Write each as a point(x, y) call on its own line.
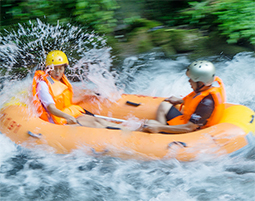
point(174, 100)
point(48, 102)
point(53, 110)
point(203, 111)
point(177, 129)
point(198, 119)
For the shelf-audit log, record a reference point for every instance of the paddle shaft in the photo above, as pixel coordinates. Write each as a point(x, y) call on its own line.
point(104, 117)
point(110, 118)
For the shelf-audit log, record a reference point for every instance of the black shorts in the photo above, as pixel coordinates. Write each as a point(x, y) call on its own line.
point(172, 113)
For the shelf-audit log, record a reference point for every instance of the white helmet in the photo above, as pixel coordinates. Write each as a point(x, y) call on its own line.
point(201, 71)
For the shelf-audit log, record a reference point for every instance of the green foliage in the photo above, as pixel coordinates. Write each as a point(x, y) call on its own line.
point(160, 37)
point(236, 19)
point(98, 14)
point(164, 11)
point(198, 14)
point(15, 11)
point(233, 19)
point(137, 22)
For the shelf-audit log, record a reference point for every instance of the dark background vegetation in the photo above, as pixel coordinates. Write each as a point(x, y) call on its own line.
point(231, 21)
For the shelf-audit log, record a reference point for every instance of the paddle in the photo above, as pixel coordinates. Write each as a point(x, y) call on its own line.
point(111, 118)
point(104, 117)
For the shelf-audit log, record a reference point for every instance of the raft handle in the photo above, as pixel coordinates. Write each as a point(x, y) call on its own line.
point(34, 135)
point(183, 144)
point(99, 153)
point(252, 118)
point(133, 104)
point(113, 128)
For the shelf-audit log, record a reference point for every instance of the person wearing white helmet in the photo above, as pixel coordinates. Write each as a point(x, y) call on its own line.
point(202, 108)
point(53, 96)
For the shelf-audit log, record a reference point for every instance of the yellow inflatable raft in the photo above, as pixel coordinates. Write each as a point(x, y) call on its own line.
point(234, 134)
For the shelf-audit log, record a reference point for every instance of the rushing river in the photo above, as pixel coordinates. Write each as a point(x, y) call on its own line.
point(36, 175)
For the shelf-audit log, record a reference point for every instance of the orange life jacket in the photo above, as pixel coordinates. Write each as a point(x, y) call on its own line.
point(192, 100)
point(61, 92)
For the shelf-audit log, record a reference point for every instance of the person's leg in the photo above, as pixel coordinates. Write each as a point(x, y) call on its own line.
point(89, 121)
point(106, 124)
point(162, 111)
point(95, 122)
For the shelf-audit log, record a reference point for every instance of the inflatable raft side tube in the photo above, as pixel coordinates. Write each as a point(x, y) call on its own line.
point(245, 150)
point(232, 115)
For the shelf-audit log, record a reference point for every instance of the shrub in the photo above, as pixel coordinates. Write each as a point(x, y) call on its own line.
point(233, 19)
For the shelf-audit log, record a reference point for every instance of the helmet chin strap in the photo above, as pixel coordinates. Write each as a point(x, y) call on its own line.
point(198, 89)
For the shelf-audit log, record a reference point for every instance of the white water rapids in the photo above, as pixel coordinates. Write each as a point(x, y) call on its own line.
point(36, 175)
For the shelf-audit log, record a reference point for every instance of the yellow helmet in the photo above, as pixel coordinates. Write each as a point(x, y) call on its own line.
point(56, 57)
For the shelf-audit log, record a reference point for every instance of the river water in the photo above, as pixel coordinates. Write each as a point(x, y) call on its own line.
point(36, 175)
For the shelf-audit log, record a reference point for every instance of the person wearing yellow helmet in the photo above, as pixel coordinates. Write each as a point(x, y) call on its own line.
point(202, 108)
point(56, 58)
point(53, 95)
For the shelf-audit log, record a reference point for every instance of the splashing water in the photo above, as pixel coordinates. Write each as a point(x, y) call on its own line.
point(151, 76)
point(24, 50)
point(36, 175)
